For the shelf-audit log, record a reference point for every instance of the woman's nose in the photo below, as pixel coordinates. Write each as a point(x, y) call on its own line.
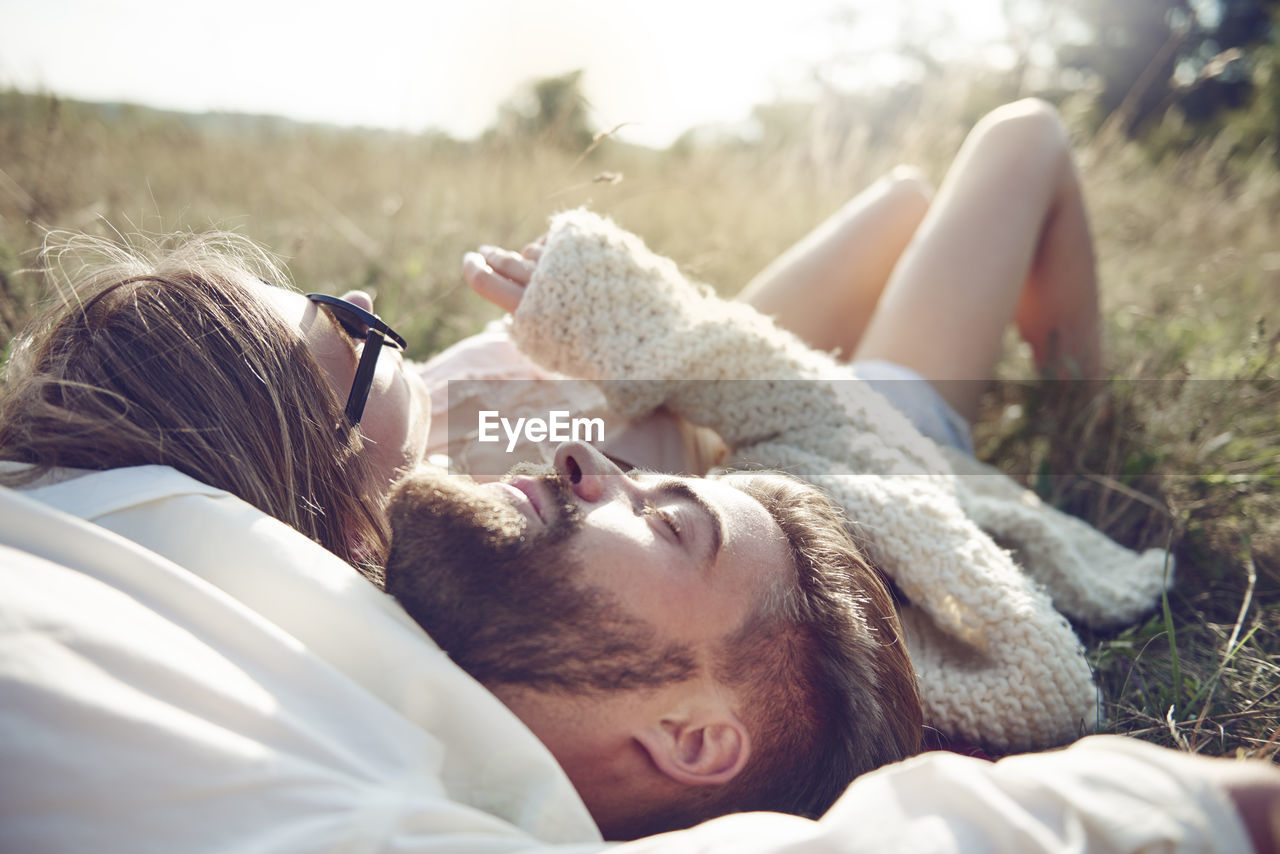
point(360, 298)
point(587, 471)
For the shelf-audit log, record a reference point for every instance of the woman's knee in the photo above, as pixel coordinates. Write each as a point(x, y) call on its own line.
point(1028, 136)
point(905, 190)
point(1030, 121)
point(910, 183)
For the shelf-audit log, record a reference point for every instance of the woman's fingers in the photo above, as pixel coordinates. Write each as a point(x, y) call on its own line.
point(499, 275)
point(533, 251)
point(515, 267)
point(497, 288)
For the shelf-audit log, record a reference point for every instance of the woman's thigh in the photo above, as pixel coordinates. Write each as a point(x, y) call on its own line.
point(826, 286)
point(953, 293)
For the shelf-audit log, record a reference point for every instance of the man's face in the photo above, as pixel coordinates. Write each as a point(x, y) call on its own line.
point(579, 577)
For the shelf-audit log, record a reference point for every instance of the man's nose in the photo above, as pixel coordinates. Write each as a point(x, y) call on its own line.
point(589, 473)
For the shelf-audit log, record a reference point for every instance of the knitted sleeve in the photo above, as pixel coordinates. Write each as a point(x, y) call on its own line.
point(998, 665)
point(602, 307)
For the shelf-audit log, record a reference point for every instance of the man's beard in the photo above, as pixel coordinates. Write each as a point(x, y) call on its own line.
point(509, 605)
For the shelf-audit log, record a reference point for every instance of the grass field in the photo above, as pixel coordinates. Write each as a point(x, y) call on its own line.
point(1179, 450)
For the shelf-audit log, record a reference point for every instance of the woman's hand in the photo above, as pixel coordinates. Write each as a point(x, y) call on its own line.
point(499, 275)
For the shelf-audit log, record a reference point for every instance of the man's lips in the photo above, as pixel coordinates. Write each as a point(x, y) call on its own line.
point(532, 490)
point(525, 494)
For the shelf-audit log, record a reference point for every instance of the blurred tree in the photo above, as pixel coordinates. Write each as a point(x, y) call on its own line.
point(1258, 123)
point(1032, 28)
point(1149, 55)
point(551, 110)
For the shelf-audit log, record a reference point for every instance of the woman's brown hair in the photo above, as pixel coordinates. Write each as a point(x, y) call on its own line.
point(171, 355)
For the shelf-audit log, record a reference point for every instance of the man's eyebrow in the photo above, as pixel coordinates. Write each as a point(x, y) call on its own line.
point(679, 489)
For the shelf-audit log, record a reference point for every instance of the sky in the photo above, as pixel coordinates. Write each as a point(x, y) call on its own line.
point(660, 66)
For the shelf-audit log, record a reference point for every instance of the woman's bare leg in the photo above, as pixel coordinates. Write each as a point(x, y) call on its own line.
point(825, 287)
point(1005, 238)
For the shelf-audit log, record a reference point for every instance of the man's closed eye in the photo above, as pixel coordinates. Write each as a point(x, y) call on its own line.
point(665, 517)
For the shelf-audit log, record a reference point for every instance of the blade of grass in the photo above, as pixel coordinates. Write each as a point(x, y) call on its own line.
point(1174, 661)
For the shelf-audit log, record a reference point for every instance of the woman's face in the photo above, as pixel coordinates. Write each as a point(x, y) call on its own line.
point(398, 413)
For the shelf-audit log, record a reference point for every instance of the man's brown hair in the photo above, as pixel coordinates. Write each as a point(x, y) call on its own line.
point(823, 676)
point(173, 356)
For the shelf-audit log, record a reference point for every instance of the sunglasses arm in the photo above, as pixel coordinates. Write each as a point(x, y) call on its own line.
point(364, 376)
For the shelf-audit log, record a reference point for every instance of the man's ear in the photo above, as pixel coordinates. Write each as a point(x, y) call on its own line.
point(698, 747)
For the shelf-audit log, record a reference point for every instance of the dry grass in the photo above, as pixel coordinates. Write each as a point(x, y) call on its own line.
point(1180, 449)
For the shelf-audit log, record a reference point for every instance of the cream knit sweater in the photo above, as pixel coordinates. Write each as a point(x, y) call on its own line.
point(997, 661)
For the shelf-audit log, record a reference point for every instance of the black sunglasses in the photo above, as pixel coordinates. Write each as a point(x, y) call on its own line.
point(369, 328)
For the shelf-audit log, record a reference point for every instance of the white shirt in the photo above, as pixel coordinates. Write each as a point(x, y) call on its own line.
point(181, 673)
